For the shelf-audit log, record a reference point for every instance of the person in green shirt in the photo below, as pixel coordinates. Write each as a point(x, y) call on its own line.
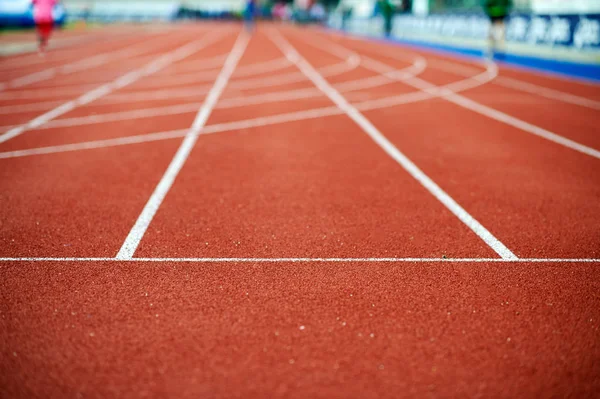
point(387, 10)
point(497, 11)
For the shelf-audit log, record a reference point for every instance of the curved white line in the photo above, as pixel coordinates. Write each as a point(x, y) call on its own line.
point(159, 136)
point(207, 76)
point(243, 84)
point(46, 93)
point(307, 260)
point(407, 73)
point(482, 109)
point(196, 65)
point(431, 92)
point(126, 79)
point(13, 109)
point(130, 51)
point(512, 83)
point(261, 67)
point(349, 64)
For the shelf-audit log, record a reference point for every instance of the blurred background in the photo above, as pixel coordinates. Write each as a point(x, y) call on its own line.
point(556, 30)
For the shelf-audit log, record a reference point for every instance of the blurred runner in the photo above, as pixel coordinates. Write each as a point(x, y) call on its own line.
point(387, 10)
point(318, 13)
point(249, 15)
point(42, 15)
point(87, 11)
point(497, 11)
point(346, 15)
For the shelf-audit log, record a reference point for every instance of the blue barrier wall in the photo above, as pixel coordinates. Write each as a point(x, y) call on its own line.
point(19, 13)
point(578, 31)
point(563, 44)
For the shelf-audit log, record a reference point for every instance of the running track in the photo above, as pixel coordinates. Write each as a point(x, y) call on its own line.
point(198, 213)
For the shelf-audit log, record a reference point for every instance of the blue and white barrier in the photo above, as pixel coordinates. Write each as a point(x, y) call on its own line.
point(566, 44)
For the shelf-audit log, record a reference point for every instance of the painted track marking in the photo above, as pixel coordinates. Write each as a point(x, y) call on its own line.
point(171, 134)
point(509, 82)
point(309, 260)
point(390, 149)
point(474, 106)
point(254, 122)
point(242, 84)
point(141, 225)
point(469, 260)
point(86, 63)
point(416, 68)
point(244, 100)
point(160, 63)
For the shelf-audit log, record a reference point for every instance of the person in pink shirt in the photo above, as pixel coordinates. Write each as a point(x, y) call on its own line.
point(44, 22)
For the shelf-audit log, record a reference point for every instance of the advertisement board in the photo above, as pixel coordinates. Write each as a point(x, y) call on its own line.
point(578, 31)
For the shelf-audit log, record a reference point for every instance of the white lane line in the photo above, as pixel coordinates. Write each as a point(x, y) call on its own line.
point(255, 99)
point(179, 109)
point(268, 81)
point(31, 78)
point(360, 84)
point(504, 118)
point(434, 91)
point(196, 65)
point(249, 100)
point(547, 92)
point(418, 65)
point(261, 67)
point(242, 84)
point(171, 134)
point(183, 108)
point(179, 80)
point(12, 109)
point(61, 52)
point(90, 145)
point(386, 102)
point(513, 83)
point(156, 65)
point(390, 149)
point(520, 124)
point(269, 98)
point(190, 78)
point(44, 94)
point(122, 116)
point(90, 62)
point(141, 225)
point(309, 260)
point(350, 64)
point(518, 84)
point(413, 70)
point(243, 124)
point(479, 108)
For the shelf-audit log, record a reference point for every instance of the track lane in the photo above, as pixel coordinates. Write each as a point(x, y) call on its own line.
point(131, 76)
point(62, 134)
point(290, 221)
point(85, 60)
point(369, 330)
point(300, 330)
point(554, 188)
point(73, 205)
point(568, 120)
point(57, 58)
point(439, 60)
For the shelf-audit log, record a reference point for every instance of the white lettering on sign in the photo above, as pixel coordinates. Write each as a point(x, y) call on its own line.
point(517, 29)
point(587, 33)
point(559, 32)
point(537, 30)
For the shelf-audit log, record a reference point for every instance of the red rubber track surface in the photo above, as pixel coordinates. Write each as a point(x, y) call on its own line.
point(292, 256)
